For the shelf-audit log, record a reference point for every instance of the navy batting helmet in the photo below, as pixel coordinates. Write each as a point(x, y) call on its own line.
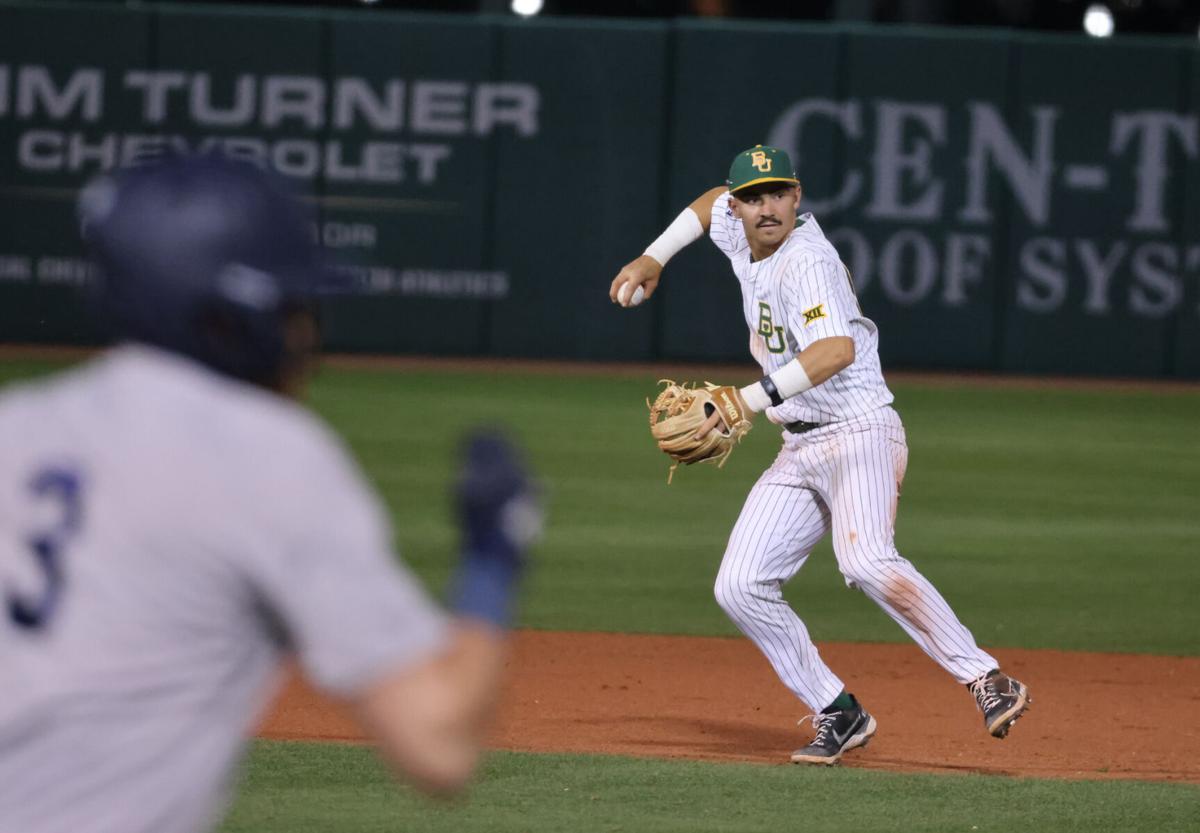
point(205, 256)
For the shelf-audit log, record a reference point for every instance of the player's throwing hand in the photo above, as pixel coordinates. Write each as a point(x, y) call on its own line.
point(643, 271)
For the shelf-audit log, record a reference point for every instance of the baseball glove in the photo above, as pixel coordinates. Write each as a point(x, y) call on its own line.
point(679, 410)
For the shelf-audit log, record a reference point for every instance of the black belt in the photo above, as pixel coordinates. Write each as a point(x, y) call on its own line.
point(801, 427)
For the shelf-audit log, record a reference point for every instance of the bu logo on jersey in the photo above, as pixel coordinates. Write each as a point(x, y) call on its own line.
point(759, 160)
point(768, 330)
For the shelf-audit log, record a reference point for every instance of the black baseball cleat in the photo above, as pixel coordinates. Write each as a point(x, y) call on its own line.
point(837, 733)
point(1001, 699)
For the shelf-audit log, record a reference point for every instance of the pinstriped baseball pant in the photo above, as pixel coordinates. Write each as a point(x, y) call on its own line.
point(843, 478)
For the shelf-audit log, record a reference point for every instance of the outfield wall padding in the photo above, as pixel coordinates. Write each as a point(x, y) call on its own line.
point(1011, 202)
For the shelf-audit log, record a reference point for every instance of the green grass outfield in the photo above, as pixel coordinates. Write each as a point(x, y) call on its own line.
point(311, 788)
point(1049, 517)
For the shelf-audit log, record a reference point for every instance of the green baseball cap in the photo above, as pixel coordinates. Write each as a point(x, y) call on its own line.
point(760, 164)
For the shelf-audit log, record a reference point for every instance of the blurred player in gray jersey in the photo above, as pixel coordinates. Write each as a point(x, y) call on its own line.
point(843, 458)
point(172, 524)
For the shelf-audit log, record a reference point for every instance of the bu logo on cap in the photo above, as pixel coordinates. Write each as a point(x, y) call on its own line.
point(759, 160)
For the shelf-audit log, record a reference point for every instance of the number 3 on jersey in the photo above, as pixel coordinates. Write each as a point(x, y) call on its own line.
point(768, 330)
point(59, 490)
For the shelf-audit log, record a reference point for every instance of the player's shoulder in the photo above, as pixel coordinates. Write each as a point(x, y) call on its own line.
point(809, 237)
point(137, 420)
point(725, 230)
point(808, 247)
point(246, 416)
point(172, 405)
point(721, 214)
point(26, 400)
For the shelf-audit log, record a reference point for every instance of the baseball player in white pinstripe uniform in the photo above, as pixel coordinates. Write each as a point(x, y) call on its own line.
point(843, 457)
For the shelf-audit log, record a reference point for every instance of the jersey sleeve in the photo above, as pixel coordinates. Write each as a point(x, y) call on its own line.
point(347, 607)
point(819, 299)
point(726, 230)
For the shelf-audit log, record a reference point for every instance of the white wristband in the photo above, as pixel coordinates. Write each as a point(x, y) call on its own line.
point(755, 397)
point(791, 379)
point(684, 229)
point(788, 381)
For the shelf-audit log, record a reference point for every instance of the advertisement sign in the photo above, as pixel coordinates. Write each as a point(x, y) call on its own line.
point(1023, 203)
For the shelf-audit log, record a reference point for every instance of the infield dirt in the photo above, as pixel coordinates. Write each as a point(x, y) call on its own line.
point(1093, 715)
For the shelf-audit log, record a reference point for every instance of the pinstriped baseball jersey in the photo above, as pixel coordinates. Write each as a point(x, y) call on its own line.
point(800, 294)
point(166, 535)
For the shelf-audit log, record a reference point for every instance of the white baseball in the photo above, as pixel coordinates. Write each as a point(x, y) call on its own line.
point(639, 295)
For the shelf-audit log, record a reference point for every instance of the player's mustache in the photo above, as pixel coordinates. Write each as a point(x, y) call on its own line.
point(767, 221)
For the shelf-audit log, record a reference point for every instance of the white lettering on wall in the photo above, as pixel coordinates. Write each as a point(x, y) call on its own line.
point(788, 131)
point(1157, 288)
point(893, 162)
point(966, 260)
point(1042, 285)
point(1152, 130)
point(154, 87)
point(1028, 175)
point(354, 97)
point(38, 95)
point(40, 150)
point(901, 248)
point(1098, 270)
point(293, 97)
point(239, 112)
point(506, 103)
point(440, 107)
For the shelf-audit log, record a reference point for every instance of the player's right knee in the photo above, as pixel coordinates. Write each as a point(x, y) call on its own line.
point(729, 596)
point(738, 596)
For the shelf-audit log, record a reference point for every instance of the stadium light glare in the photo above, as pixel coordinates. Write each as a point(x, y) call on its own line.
point(526, 8)
point(1098, 21)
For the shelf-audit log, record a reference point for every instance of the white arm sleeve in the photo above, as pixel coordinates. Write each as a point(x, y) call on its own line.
point(683, 231)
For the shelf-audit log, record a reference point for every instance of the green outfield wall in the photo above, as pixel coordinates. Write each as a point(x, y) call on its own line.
point(1014, 202)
